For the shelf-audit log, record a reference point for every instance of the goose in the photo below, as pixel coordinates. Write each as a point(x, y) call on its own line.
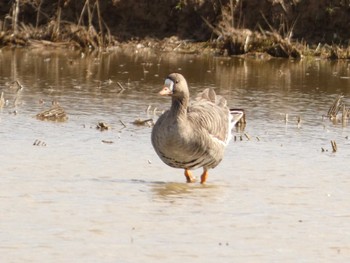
point(193, 135)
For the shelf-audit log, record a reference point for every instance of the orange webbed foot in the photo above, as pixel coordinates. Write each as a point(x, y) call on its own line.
point(204, 176)
point(189, 176)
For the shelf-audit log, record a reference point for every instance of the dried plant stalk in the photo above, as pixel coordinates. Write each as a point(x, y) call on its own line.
point(335, 107)
point(334, 146)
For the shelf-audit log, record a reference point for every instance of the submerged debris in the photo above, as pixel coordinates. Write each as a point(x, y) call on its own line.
point(140, 122)
point(102, 126)
point(107, 142)
point(39, 143)
point(245, 135)
point(56, 113)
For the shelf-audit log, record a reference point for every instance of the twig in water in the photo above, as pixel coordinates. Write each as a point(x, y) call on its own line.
point(122, 123)
point(299, 122)
point(108, 142)
point(120, 86)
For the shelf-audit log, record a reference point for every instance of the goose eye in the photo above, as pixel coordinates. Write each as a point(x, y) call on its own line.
point(170, 84)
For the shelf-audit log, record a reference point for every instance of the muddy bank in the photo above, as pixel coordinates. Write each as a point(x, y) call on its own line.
point(286, 28)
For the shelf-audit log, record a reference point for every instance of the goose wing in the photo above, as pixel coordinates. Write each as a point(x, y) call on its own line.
point(210, 113)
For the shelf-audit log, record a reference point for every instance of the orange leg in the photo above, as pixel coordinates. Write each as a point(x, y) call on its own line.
point(204, 176)
point(189, 177)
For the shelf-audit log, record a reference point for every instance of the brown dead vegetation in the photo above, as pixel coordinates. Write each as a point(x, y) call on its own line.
point(50, 29)
point(284, 28)
point(55, 113)
point(337, 108)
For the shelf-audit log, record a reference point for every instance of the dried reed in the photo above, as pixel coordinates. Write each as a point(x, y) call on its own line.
point(335, 107)
point(334, 146)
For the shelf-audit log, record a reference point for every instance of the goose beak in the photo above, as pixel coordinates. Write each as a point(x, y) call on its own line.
point(168, 88)
point(165, 91)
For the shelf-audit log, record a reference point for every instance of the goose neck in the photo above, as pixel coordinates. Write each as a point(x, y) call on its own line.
point(179, 106)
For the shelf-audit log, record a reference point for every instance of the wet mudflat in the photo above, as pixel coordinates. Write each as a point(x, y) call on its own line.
point(70, 191)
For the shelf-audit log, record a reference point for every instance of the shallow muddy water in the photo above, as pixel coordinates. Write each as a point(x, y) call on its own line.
point(90, 196)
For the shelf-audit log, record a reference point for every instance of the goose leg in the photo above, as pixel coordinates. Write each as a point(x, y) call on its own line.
point(204, 176)
point(189, 177)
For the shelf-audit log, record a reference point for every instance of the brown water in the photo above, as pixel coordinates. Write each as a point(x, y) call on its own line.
point(275, 198)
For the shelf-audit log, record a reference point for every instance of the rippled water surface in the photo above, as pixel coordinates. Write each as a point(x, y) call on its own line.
point(84, 195)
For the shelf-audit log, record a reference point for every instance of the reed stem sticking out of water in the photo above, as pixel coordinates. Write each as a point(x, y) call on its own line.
point(299, 122)
point(335, 107)
point(334, 146)
point(2, 100)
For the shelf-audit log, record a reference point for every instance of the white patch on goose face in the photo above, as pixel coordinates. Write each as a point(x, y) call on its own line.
point(170, 84)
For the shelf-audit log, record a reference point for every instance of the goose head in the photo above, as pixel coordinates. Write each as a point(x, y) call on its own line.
point(175, 85)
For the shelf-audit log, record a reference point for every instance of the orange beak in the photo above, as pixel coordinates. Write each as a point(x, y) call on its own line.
point(165, 91)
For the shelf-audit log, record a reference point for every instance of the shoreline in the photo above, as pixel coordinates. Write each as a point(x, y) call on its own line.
point(284, 29)
point(175, 45)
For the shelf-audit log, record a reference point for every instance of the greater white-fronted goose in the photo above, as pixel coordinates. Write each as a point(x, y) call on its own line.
point(190, 136)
